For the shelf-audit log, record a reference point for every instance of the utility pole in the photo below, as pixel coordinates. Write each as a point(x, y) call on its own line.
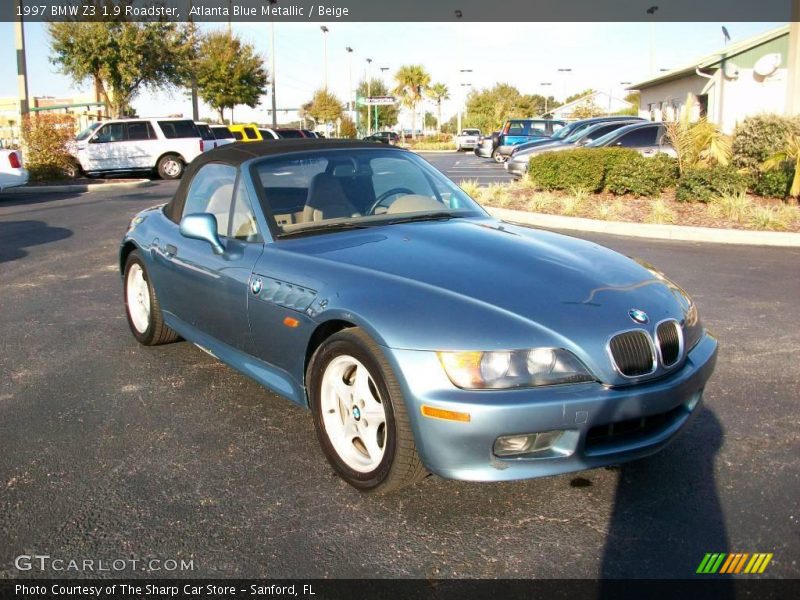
point(272, 66)
point(192, 42)
point(369, 95)
point(461, 96)
point(545, 84)
point(793, 77)
point(325, 52)
point(22, 69)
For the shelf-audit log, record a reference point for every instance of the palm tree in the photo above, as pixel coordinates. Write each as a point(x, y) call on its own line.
point(438, 92)
point(699, 143)
point(411, 82)
point(790, 154)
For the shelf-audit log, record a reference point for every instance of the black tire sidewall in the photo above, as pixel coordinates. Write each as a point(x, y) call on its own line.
point(337, 345)
point(146, 337)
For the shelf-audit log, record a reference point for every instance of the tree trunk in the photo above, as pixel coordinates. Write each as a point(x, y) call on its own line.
point(439, 117)
point(414, 121)
point(221, 111)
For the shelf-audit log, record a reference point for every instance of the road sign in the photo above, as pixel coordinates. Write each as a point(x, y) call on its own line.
point(380, 100)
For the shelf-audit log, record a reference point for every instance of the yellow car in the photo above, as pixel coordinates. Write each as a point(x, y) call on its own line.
point(246, 133)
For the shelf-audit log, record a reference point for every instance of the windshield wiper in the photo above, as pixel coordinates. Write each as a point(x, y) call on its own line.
point(434, 216)
point(340, 226)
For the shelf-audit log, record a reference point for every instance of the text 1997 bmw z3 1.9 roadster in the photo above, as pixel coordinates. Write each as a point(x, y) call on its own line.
point(424, 335)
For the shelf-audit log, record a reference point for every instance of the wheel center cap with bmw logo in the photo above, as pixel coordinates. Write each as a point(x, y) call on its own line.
point(638, 316)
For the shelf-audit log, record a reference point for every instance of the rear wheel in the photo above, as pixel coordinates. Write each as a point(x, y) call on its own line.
point(142, 307)
point(498, 158)
point(170, 167)
point(360, 415)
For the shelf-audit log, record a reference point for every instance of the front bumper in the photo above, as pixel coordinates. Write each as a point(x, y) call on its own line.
point(459, 450)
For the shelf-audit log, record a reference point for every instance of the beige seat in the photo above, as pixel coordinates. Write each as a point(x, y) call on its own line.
point(220, 206)
point(326, 200)
point(414, 203)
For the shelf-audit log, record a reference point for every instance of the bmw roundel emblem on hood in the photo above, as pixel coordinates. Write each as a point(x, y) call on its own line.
point(255, 285)
point(638, 316)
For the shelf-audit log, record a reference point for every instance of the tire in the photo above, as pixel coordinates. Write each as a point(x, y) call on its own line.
point(364, 463)
point(73, 170)
point(170, 166)
point(497, 157)
point(148, 325)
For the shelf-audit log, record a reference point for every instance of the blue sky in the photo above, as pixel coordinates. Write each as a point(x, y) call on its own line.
point(601, 56)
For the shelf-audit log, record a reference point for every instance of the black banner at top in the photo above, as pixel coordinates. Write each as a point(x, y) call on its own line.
point(399, 11)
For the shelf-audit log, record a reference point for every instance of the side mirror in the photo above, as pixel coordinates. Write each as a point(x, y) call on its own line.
point(202, 226)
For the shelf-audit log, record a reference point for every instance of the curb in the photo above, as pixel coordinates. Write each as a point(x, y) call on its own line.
point(82, 187)
point(649, 230)
point(453, 151)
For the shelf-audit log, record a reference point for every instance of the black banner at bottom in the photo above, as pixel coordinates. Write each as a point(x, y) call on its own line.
point(405, 589)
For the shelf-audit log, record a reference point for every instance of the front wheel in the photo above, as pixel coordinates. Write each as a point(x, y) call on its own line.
point(360, 415)
point(170, 167)
point(142, 307)
point(498, 158)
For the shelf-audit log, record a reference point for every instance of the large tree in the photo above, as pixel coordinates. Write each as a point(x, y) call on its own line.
point(324, 107)
point(229, 72)
point(438, 92)
point(411, 82)
point(386, 114)
point(120, 58)
point(488, 108)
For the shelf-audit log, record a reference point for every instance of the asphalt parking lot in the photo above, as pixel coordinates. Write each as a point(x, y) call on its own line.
point(112, 450)
point(460, 166)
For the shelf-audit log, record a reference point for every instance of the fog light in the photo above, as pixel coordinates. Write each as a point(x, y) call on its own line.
point(531, 443)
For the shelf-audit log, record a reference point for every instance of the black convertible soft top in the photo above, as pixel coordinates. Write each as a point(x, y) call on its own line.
point(241, 152)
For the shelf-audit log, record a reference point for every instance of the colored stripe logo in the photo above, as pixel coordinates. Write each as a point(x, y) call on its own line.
point(734, 564)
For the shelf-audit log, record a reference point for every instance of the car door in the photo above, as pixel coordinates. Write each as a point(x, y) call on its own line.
point(643, 139)
point(139, 144)
point(209, 291)
point(106, 149)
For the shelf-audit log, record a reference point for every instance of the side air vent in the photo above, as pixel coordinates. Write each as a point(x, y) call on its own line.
point(633, 353)
point(670, 342)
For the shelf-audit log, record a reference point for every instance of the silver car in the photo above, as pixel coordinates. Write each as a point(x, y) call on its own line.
point(468, 139)
point(517, 165)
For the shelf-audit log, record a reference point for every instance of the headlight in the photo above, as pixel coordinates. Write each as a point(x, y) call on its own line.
point(134, 222)
point(513, 369)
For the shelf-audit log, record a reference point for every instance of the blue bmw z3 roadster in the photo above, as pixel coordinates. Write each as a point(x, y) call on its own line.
point(423, 334)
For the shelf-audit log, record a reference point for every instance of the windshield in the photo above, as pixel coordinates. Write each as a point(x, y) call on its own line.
point(577, 133)
point(603, 140)
point(353, 188)
point(565, 131)
point(87, 132)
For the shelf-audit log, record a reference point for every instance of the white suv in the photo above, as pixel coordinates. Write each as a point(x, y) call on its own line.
point(164, 145)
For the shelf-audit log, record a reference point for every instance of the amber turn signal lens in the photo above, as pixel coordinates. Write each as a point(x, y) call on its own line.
point(290, 322)
point(448, 415)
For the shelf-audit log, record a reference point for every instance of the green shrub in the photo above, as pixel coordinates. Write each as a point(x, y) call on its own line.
point(619, 170)
point(640, 175)
point(774, 183)
point(755, 140)
point(703, 185)
point(573, 169)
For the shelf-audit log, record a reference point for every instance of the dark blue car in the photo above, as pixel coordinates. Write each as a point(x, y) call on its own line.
point(424, 335)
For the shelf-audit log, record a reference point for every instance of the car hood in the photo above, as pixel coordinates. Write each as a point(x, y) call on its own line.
point(531, 287)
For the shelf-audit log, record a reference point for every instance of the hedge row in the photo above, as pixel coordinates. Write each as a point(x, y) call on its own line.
point(625, 171)
point(618, 170)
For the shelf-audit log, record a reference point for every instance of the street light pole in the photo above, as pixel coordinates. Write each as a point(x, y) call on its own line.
point(350, 101)
point(272, 67)
point(369, 95)
point(564, 82)
point(193, 85)
point(22, 68)
point(325, 52)
point(545, 84)
point(461, 98)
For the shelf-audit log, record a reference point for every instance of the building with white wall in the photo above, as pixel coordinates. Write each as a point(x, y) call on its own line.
point(742, 79)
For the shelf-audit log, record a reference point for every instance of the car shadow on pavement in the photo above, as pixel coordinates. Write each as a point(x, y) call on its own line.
point(15, 236)
point(667, 513)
